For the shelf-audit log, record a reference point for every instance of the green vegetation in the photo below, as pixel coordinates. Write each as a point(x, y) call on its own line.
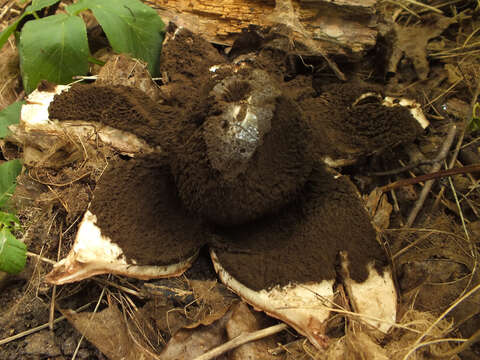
point(55, 48)
point(474, 124)
point(12, 251)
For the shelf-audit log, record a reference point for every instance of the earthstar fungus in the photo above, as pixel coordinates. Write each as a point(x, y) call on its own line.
point(249, 157)
point(250, 168)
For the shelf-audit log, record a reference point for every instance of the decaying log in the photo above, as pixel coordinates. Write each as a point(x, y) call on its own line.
point(345, 27)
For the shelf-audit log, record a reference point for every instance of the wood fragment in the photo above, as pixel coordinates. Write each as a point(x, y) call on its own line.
point(346, 27)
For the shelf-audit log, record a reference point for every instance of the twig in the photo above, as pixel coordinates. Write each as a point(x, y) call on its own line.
point(462, 218)
point(404, 7)
point(39, 257)
point(428, 184)
point(473, 250)
point(469, 342)
point(436, 167)
point(403, 168)
point(282, 348)
point(438, 341)
point(93, 77)
point(6, 8)
point(71, 225)
point(432, 176)
point(52, 308)
point(38, 328)
point(64, 204)
point(242, 339)
point(409, 246)
point(54, 290)
point(450, 308)
point(120, 287)
point(429, 7)
point(94, 312)
point(465, 126)
point(127, 308)
point(37, 179)
point(443, 93)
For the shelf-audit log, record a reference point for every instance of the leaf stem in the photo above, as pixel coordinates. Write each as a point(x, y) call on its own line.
point(92, 60)
point(76, 13)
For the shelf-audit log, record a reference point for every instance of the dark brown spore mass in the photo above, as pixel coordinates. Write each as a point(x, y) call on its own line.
point(122, 107)
point(273, 176)
point(186, 61)
point(186, 55)
point(136, 205)
point(288, 221)
point(341, 129)
point(302, 243)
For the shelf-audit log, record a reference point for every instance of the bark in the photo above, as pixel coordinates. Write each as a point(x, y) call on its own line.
point(345, 27)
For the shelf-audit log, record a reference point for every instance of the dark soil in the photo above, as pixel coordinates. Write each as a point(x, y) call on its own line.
point(302, 243)
point(137, 207)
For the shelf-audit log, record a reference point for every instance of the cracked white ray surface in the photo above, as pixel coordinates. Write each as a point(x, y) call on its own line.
point(34, 117)
point(305, 307)
point(35, 111)
point(93, 253)
point(376, 298)
point(414, 107)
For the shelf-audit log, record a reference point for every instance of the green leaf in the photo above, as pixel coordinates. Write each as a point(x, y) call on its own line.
point(54, 48)
point(5, 34)
point(474, 124)
point(8, 116)
point(9, 220)
point(8, 175)
point(39, 5)
point(35, 6)
point(13, 253)
point(131, 27)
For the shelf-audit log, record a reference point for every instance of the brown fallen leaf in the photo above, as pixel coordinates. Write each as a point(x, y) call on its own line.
point(9, 75)
point(188, 344)
point(124, 70)
point(207, 301)
point(361, 346)
point(379, 209)
point(243, 321)
point(214, 301)
point(411, 42)
point(108, 331)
